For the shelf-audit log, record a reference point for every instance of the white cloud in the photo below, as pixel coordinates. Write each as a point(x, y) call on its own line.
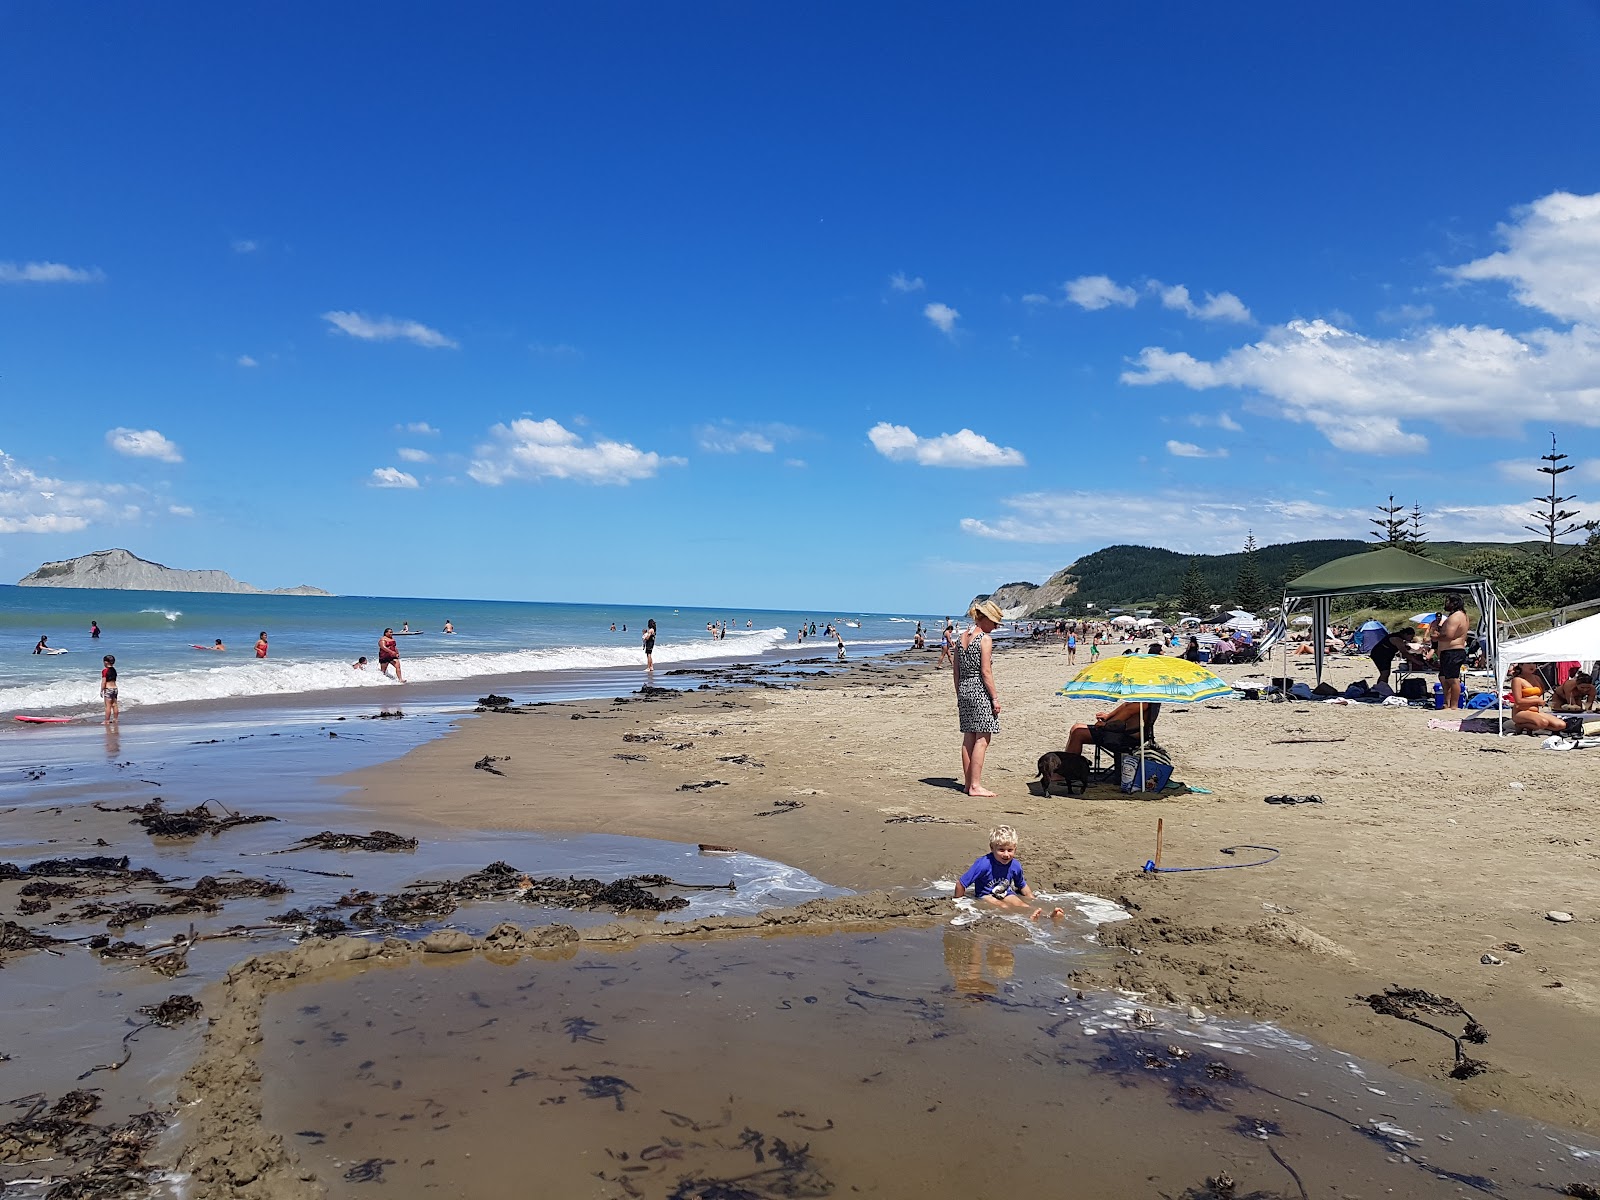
point(717, 440)
point(1095, 292)
point(421, 428)
point(1224, 306)
point(143, 443)
point(900, 283)
point(180, 510)
point(1357, 390)
point(388, 329)
point(407, 454)
point(1221, 420)
point(35, 503)
point(48, 272)
point(555, 349)
point(794, 462)
point(530, 450)
point(1035, 298)
point(1552, 257)
point(245, 246)
point(244, 360)
point(1190, 450)
point(943, 317)
point(961, 449)
point(391, 477)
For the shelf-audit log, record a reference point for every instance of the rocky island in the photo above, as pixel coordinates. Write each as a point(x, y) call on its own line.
point(123, 570)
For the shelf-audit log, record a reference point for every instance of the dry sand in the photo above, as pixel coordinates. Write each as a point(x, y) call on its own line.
point(1421, 860)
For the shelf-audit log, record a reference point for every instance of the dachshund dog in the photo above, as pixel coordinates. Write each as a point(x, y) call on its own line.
point(1072, 770)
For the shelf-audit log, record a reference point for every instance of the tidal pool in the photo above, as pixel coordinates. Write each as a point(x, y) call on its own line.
point(949, 1061)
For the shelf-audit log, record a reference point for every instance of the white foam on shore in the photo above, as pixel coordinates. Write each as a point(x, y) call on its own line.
point(277, 677)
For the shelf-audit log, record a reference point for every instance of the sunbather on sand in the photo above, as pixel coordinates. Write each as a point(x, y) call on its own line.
point(1577, 694)
point(1527, 702)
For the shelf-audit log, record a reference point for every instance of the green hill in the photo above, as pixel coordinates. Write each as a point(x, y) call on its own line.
point(1151, 577)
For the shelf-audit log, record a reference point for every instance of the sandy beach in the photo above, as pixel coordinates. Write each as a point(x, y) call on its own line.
point(1421, 859)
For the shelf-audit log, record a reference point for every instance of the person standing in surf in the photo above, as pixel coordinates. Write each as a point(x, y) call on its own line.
point(94, 629)
point(108, 688)
point(389, 655)
point(649, 639)
point(261, 645)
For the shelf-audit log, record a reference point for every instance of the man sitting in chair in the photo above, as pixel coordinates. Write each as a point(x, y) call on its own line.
point(1117, 730)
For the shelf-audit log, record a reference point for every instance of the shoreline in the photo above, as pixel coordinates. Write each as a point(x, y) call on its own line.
point(1420, 860)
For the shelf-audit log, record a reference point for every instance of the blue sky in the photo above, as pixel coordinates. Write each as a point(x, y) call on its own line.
point(852, 306)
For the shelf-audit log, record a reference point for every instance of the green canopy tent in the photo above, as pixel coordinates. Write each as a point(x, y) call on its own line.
point(1387, 570)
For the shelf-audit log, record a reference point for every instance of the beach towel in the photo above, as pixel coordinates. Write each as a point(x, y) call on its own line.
point(1481, 700)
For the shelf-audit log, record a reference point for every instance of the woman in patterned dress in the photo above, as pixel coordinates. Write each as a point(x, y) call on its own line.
point(977, 701)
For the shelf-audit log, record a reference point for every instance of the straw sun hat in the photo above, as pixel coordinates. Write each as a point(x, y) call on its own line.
point(989, 609)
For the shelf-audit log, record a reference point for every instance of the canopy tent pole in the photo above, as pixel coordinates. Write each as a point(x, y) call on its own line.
point(1320, 607)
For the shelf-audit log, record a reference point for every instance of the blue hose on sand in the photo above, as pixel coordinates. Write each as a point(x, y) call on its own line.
point(1272, 853)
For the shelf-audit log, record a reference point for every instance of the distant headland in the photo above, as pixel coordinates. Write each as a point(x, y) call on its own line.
point(126, 571)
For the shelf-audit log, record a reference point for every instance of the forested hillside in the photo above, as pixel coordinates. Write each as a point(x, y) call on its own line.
point(1127, 576)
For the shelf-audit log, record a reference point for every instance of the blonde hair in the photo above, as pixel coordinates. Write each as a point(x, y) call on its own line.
point(1002, 835)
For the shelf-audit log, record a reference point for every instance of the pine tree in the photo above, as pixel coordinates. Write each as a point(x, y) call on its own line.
point(1554, 521)
point(1416, 531)
point(1391, 526)
point(1250, 589)
point(1196, 594)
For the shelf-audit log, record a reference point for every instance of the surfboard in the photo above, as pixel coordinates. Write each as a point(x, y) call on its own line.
point(43, 720)
point(411, 633)
point(57, 650)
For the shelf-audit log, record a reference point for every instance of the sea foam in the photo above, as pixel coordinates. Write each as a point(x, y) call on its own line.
point(264, 677)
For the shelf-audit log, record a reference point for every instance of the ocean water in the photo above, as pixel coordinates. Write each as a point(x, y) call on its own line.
point(314, 640)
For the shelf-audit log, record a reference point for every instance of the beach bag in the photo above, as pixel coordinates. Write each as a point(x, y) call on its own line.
point(1482, 700)
point(1156, 773)
point(1414, 688)
point(1357, 690)
point(1324, 690)
point(1301, 691)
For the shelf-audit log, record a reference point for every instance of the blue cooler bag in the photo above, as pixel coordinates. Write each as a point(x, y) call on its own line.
point(1156, 774)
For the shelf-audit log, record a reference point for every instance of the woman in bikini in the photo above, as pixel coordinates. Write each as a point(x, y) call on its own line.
point(649, 640)
point(108, 688)
point(1527, 702)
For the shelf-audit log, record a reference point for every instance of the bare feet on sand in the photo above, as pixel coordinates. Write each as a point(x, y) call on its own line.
point(980, 792)
point(1055, 914)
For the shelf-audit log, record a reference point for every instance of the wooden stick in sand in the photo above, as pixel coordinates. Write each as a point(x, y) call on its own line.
point(1160, 829)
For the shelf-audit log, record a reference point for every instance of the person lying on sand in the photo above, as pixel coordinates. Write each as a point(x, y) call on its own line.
point(996, 878)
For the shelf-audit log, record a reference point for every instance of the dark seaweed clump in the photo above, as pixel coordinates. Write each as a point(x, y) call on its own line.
point(1404, 1004)
point(190, 823)
point(108, 1160)
point(379, 840)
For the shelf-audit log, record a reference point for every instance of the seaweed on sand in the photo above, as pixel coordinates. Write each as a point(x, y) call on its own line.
point(189, 823)
point(377, 840)
point(1404, 1004)
point(94, 866)
point(108, 1159)
point(206, 896)
point(20, 937)
point(174, 1010)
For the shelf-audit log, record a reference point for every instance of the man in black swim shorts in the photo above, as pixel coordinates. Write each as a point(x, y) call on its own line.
point(1452, 649)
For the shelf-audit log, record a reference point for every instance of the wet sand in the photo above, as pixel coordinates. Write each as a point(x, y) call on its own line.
point(1420, 860)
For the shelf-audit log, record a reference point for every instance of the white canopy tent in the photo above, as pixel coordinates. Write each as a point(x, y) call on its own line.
point(1577, 642)
point(1124, 621)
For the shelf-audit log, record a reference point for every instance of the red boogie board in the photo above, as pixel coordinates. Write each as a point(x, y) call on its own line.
point(43, 720)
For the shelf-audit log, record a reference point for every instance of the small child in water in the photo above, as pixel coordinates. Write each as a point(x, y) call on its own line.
point(996, 878)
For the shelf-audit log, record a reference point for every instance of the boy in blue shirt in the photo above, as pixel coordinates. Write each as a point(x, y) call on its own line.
point(996, 878)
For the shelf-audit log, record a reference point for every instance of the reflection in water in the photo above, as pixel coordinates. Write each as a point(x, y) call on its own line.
point(113, 742)
point(978, 962)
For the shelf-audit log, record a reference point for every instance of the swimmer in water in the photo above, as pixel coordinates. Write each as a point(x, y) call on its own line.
point(448, 628)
